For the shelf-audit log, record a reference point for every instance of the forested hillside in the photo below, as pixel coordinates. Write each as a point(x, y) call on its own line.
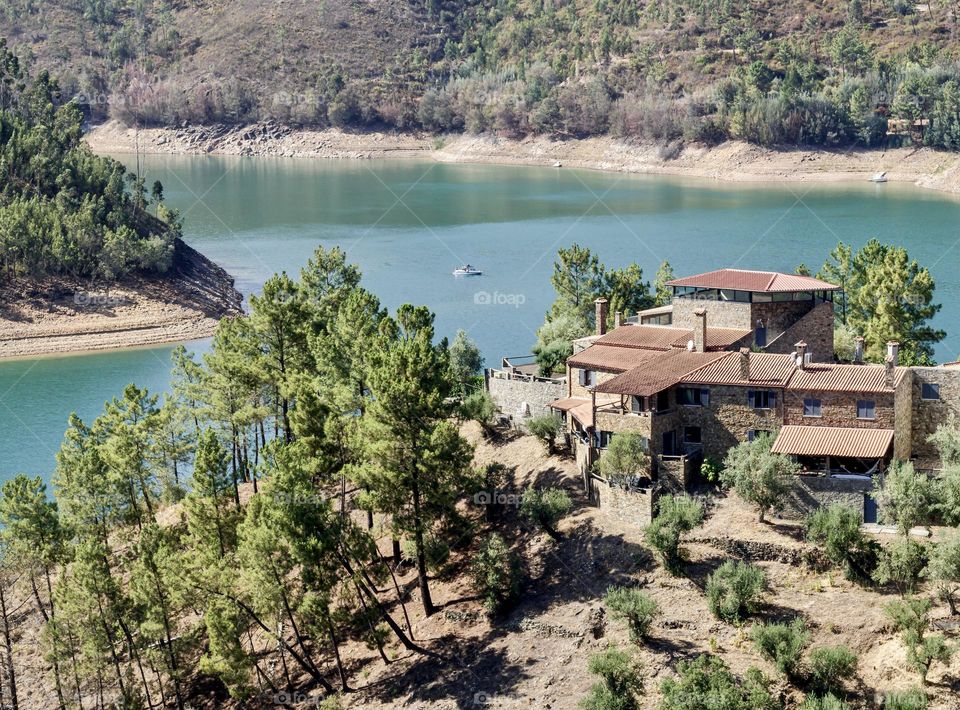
point(64, 210)
point(773, 72)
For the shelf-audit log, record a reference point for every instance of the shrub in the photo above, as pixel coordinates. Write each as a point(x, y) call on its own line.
point(626, 459)
point(710, 470)
point(547, 428)
point(734, 589)
point(944, 569)
point(496, 573)
point(782, 644)
point(905, 496)
point(911, 617)
point(546, 507)
point(826, 702)
point(676, 515)
point(479, 407)
point(633, 606)
point(830, 666)
point(948, 495)
point(901, 564)
point(706, 683)
point(758, 475)
point(620, 681)
point(837, 528)
point(913, 699)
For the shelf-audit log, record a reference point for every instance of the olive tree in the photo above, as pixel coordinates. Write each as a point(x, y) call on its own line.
point(758, 475)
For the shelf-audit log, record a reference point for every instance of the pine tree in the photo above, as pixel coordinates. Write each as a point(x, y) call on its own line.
point(416, 463)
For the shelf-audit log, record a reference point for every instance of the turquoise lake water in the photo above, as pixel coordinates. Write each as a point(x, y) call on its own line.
point(408, 224)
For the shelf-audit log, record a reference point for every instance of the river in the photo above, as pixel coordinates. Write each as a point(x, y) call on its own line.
point(408, 224)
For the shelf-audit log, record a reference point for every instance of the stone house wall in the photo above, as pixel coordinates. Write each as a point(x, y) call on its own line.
point(926, 415)
point(839, 409)
point(610, 421)
point(575, 389)
point(903, 415)
point(720, 314)
point(812, 492)
point(724, 422)
point(815, 328)
point(510, 394)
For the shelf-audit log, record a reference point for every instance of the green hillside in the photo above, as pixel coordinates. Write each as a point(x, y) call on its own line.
point(771, 72)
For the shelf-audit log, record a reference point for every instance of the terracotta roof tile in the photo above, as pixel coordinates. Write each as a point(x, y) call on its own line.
point(833, 441)
point(658, 373)
point(565, 405)
point(825, 377)
point(609, 358)
point(583, 413)
point(756, 281)
point(664, 337)
point(766, 369)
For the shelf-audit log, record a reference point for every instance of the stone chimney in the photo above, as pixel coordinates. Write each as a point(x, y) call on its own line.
point(601, 304)
point(801, 354)
point(889, 366)
point(858, 350)
point(617, 319)
point(700, 331)
point(893, 352)
point(745, 364)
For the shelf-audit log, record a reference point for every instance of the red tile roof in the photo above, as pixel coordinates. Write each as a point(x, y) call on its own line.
point(756, 281)
point(664, 337)
point(766, 369)
point(583, 413)
point(658, 373)
point(565, 405)
point(826, 377)
point(833, 441)
point(609, 358)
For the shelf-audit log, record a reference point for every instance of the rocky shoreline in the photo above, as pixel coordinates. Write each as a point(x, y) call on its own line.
point(58, 315)
point(733, 161)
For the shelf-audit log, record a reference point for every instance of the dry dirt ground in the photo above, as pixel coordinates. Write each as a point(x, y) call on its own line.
point(52, 315)
point(536, 656)
point(734, 161)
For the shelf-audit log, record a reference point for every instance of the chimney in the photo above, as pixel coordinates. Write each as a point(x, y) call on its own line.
point(617, 319)
point(858, 350)
point(801, 354)
point(700, 331)
point(888, 371)
point(893, 352)
point(745, 364)
point(601, 304)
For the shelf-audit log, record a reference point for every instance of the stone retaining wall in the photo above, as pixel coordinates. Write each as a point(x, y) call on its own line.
point(633, 506)
point(812, 492)
point(510, 394)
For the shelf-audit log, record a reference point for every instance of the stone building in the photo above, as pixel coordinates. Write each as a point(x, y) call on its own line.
point(748, 353)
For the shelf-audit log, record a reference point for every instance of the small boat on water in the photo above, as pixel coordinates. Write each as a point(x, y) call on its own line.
point(466, 270)
point(879, 177)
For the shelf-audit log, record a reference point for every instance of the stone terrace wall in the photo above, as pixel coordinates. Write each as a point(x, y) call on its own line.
point(720, 314)
point(927, 415)
point(812, 492)
point(509, 394)
point(633, 506)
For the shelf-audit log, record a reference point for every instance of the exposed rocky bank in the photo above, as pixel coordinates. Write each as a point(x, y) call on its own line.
point(56, 315)
point(729, 161)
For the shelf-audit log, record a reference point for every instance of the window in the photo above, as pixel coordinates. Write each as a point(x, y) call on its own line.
point(760, 335)
point(603, 439)
point(929, 391)
point(586, 378)
point(762, 399)
point(692, 435)
point(663, 401)
point(812, 408)
point(636, 404)
point(693, 396)
point(754, 433)
point(866, 409)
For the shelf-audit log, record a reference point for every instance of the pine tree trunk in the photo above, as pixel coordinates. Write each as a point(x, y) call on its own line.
point(8, 644)
point(336, 654)
point(428, 608)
